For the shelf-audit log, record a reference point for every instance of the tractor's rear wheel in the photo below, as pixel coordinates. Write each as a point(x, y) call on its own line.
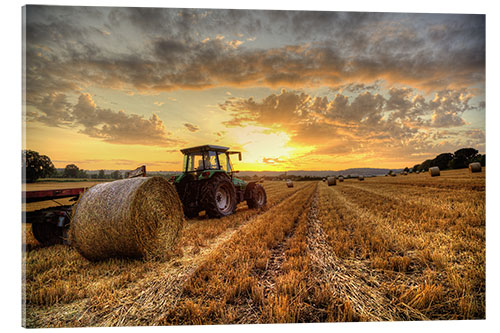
point(257, 197)
point(218, 196)
point(47, 233)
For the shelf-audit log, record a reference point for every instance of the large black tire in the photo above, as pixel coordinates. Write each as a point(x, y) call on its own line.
point(218, 196)
point(47, 233)
point(256, 198)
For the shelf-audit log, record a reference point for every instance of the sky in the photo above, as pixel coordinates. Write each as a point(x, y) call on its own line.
point(115, 88)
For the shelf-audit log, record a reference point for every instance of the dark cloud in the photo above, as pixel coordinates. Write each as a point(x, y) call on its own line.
point(191, 127)
point(54, 110)
point(426, 51)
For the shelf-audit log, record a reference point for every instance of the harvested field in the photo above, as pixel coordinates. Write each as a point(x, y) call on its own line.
point(403, 248)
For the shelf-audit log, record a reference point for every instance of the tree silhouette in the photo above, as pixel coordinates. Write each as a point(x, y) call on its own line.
point(35, 166)
point(70, 171)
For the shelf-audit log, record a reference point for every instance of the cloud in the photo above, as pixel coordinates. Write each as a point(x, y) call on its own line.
point(191, 127)
point(54, 110)
point(117, 126)
point(338, 49)
point(272, 161)
point(400, 123)
point(107, 125)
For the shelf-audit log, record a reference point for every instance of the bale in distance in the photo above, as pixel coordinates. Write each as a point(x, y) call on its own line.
point(289, 183)
point(341, 178)
point(361, 177)
point(332, 181)
point(475, 167)
point(434, 171)
point(136, 218)
point(393, 175)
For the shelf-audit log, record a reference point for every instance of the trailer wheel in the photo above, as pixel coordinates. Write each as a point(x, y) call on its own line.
point(48, 233)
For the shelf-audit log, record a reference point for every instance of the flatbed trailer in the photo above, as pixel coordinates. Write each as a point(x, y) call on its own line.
point(50, 225)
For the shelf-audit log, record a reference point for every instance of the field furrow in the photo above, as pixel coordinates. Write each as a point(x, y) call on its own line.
point(146, 295)
point(225, 288)
point(438, 253)
point(387, 248)
point(355, 291)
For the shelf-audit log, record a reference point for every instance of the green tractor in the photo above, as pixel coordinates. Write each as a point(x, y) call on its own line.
point(207, 183)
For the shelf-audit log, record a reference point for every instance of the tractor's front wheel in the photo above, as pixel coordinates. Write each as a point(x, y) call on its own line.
point(218, 196)
point(257, 197)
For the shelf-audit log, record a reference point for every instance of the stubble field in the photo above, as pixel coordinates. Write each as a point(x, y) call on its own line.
point(386, 248)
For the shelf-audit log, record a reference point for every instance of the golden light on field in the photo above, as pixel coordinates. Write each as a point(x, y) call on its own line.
point(405, 235)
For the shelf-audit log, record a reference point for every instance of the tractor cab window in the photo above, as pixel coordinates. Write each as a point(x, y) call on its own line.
point(194, 162)
point(211, 162)
point(201, 161)
point(224, 162)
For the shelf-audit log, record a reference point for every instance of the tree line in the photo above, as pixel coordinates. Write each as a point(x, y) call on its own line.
point(457, 160)
point(35, 166)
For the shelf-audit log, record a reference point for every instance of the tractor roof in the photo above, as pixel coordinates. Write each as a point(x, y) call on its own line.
point(204, 148)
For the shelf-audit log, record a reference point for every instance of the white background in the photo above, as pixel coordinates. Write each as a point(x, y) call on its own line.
point(11, 129)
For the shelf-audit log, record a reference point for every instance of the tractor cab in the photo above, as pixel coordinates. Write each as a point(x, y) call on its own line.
point(208, 158)
point(207, 183)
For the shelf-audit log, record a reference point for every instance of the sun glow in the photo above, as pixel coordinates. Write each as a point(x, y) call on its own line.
point(263, 148)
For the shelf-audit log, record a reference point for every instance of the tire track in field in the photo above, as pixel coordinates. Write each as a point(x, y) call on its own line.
point(430, 202)
point(350, 280)
point(278, 253)
point(151, 298)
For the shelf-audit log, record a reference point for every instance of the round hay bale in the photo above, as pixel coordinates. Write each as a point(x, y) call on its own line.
point(289, 183)
point(137, 217)
point(475, 167)
point(341, 179)
point(361, 177)
point(393, 175)
point(332, 181)
point(434, 171)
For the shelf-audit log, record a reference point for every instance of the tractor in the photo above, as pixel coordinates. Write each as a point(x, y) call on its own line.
point(207, 183)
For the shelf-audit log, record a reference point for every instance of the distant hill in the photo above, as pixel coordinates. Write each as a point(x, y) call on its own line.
point(323, 173)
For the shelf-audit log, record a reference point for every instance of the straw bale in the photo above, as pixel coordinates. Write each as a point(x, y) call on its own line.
point(475, 167)
point(434, 171)
point(289, 183)
point(341, 178)
point(138, 218)
point(361, 177)
point(332, 181)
